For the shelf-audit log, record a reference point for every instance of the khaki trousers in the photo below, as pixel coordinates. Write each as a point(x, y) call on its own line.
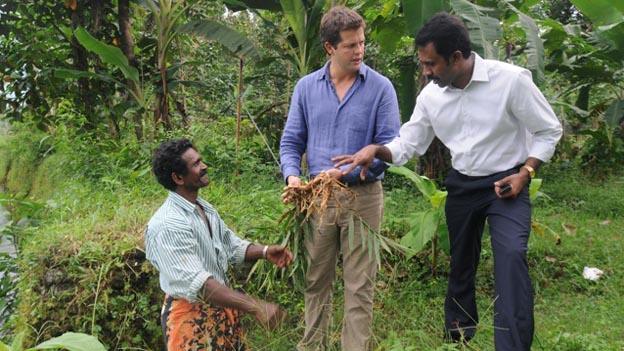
point(329, 237)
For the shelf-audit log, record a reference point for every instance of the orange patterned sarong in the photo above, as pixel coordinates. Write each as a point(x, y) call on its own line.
point(198, 327)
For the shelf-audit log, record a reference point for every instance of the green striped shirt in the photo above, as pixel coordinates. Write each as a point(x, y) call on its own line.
point(183, 250)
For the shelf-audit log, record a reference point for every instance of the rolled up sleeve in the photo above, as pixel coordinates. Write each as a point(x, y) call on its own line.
point(174, 253)
point(235, 246)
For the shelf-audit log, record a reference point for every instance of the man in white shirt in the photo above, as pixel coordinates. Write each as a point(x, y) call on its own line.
point(499, 129)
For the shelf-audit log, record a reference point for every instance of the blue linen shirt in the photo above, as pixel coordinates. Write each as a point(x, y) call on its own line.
point(323, 127)
point(180, 245)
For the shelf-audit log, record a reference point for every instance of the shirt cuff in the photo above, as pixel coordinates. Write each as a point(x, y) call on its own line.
point(291, 171)
point(197, 284)
point(240, 251)
point(398, 156)
point(542, 151)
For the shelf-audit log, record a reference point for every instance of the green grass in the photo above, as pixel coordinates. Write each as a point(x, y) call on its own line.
point(93, 211)
point(571, 313)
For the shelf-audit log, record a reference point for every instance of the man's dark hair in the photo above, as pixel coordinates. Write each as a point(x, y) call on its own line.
point(447, 33)
point(337, 19)
point(167, 159)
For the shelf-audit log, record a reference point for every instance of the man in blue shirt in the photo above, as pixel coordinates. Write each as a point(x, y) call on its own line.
point(336, 110)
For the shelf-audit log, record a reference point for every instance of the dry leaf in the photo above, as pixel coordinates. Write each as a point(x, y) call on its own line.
point(569, 228)
point(71, 4)
point(550, 259)
point(605, 222)
point(537, 228)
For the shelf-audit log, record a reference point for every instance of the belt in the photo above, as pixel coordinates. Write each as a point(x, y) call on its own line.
point(360, 182)
point(356, 182)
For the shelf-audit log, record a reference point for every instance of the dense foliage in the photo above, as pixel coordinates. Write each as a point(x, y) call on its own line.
point(90, 87)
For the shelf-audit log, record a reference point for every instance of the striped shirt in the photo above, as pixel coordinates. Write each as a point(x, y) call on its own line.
point(185, 251)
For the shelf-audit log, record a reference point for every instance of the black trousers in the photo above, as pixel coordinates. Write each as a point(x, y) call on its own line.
point(470, 201)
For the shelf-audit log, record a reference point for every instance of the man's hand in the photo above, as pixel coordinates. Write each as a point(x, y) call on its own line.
point(363, 158)
point(293, 182)
point(269, 315)
point(334, 173)
point(279, 256)
point(517, 181)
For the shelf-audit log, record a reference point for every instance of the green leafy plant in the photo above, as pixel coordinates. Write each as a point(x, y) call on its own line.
point(429, 225)
point(68, 341)
point(394, 343)
point(312, 199)
point(8, 272)
point(303, 19)
point(114, 57)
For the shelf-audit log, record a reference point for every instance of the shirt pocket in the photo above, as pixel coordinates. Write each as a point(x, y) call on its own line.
point(358, 129)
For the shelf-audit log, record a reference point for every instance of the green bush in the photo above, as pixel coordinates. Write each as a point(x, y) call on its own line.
point(579, 342)
point(23, 149)
point(85, 267)
point(5, 164)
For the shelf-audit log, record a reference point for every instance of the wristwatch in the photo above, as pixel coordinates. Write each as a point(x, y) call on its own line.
point(530, 170)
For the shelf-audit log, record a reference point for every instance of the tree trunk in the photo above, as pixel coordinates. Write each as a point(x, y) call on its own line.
point(435, 163)
point(161, 111)
point(81, 63)
point(125, 31)
point(97, 11)
point(181, 108)
point(407, 87)
point(582, 102)
point(127, 47)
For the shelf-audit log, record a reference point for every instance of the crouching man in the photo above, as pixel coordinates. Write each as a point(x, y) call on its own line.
point(191, 247)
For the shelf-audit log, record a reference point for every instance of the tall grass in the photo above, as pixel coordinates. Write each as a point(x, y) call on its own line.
point(82, 266)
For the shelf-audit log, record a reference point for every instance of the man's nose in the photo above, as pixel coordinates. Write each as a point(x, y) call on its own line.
point(360, 48)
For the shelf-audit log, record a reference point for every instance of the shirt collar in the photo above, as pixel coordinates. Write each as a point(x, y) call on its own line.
point(182, 202)
point(206, 205)
point(189, 206)
point(479, 72)
point(323, 73)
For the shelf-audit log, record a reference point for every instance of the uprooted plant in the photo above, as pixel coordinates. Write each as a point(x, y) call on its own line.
point(311, 200)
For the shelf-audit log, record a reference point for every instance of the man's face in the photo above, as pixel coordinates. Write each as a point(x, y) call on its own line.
point(196, 176)
point(349, 52)
point(435, 67)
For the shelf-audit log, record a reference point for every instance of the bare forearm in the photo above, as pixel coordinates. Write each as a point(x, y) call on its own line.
point(533, 162)
point(220, 295)
point(383, 153)
point(254, 252)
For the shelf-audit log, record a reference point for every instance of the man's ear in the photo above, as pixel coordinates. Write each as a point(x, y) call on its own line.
point(177, 179)
point(329, 49)
point(457, 56)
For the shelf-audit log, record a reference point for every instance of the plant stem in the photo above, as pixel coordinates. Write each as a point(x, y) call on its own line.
point(434, 253)
point(239, 102)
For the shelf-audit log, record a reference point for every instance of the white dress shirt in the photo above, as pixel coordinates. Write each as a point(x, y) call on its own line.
point(495, 123)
